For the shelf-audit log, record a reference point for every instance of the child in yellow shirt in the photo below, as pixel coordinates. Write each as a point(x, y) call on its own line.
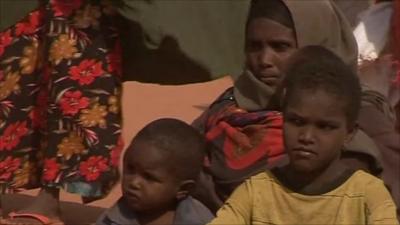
point(321, 98)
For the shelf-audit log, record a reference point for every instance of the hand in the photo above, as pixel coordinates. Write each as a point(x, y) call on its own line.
point(377, 75)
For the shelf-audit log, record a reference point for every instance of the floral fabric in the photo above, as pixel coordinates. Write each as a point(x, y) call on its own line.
point(60, 87)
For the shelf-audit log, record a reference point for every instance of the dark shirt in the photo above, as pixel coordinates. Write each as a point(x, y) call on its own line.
point(188, 212)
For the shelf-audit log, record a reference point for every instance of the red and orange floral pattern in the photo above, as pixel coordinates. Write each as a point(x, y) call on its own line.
point(60, 85)
point(86, 72)
point(72, 102)
point(7, 167)
point(5, 40)
point(12, 135)
point(93, 167)
point(50, 170)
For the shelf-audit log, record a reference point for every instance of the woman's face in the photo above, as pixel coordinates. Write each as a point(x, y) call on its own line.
point(268, 45)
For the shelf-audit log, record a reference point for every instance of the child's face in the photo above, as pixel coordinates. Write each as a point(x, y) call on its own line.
point(268, 46)
point(315, 129)
point(147, 181)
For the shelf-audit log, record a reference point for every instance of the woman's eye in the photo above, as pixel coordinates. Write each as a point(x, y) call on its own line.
point(281, 46)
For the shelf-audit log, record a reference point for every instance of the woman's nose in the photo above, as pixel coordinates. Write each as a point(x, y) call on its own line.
point(267, 57)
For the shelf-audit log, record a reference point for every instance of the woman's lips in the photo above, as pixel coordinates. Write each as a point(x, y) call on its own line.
point(271, 80)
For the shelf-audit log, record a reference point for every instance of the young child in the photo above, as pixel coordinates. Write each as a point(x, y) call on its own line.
point(321, 101)
point(159, 171)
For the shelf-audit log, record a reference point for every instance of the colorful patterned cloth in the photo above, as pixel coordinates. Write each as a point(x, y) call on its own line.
point(60, 89)
point(241, 143)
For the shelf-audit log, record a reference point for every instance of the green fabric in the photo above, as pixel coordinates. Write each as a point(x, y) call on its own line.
point(184, 41)
point(13, 10)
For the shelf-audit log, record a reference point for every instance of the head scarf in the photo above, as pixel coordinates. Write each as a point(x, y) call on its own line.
point(316, 23)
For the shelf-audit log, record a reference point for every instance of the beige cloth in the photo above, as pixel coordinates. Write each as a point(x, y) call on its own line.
point(316, 23)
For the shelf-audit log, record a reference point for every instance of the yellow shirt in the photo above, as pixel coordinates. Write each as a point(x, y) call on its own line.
point(262, 199)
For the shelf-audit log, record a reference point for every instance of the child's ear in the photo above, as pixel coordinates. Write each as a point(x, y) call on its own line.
point(185, 188)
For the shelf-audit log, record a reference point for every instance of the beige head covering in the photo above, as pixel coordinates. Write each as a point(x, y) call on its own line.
point(316, 23)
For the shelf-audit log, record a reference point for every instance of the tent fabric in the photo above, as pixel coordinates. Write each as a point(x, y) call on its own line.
point(372, 31)
point(11, 11)
point(200, 39)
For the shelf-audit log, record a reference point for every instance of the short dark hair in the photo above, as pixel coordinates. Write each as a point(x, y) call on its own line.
point(182, 145)
point(317, 68)
point(275, 10)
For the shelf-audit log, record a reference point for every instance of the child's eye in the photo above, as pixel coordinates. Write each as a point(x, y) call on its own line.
point(296, 121)
point(130, 169)
point(326, 127)
point(150, 177)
